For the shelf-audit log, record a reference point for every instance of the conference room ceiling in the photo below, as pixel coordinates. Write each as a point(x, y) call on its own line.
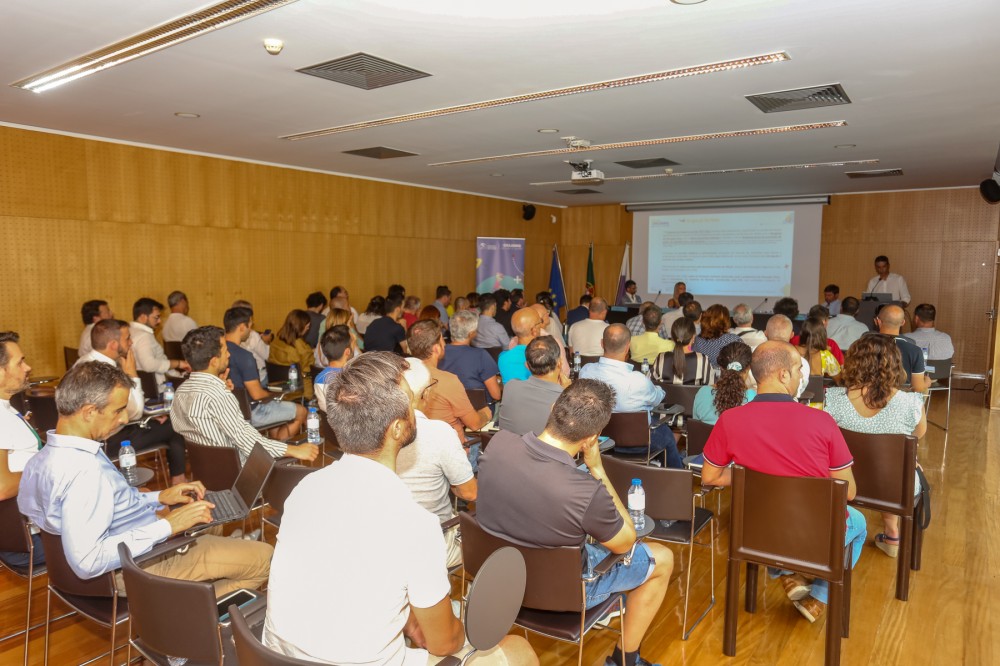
point(919, 77)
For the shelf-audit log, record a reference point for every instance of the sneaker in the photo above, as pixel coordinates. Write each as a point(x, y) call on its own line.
point(253, 536)
point(811, 608)
point(795, 586)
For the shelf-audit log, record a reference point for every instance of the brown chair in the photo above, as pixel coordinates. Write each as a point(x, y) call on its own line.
point(697, 436)
point(477, 397)
point(884, 470)
point(814, 390)
point(150, 387)
point(630, 429)
point(277, 373)
point(173, 350)
point(792, 523)
point(941, 372)
point(329, 438)
point(670, 501)
point(495, 352)
point(280, 484)
point(555, 594)
point(250, 651)
point(215, 466)
point(41, 401)
point(680, 394)
point(70, 356)
point(584, 360)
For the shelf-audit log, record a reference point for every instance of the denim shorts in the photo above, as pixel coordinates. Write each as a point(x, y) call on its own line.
point(274, 411)
point(622, 577)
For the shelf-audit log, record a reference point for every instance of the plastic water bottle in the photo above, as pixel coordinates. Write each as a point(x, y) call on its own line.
point(312, 426)
point(637, 504)
point(293, 376)
point(168, 395)
point(576, 365)
point(645, 368)
point(126, 460)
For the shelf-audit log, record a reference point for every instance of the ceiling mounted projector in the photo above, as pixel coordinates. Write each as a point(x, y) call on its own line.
point(583, 174)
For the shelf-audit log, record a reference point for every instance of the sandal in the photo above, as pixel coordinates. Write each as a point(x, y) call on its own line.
point(887, 544)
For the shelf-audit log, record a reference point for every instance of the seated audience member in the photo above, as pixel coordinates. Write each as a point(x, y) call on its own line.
point(888, 283)
point(442, 299)
point(337, 317)
point(634, 392)
point(376, 306)
point(517, 299)
point(890, 320)
point(580, 312)
point(461, 305)
point(92, 312)
point(831, 299)
point(714, 333)
point(341, 292)
point(473, 297)
point(585, 336)
point(527, 325)
point(474, 367)
point(814, 348)
point(693, 312)
point(869, 401)
point(636, 327)
point(411, 310)
point(844, 329)
point(683, 365)
point(730, 388)
point(431, 313)
point(396, 291)
point(205, 411)
point(446, 398)
point(178, 322)
point(435, 464)
point(823, 315)
point(290, 346)
point(806, 443)
point(386, 333)
point(505, 310)
point(779, 329)
point(149, 355)
point(553, 325)
point(649, 345)
point(382, 596)
point(925, 336)
point(489, 332)
point(631, 297)
point(258, 344)
point(527, 402)
point(787, 306)
point(544, 314)
point(288, 417)
point(18, 440)
point(675, 300)
point(743, 326)
point(337, 347)
point(111, 340)
point(70, 488)
point(532, 493)
point(670, 317)
point(315, 305)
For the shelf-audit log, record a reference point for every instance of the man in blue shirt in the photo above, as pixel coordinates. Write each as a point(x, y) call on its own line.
point(442, 299)
point(527, 325)
point(474, 367)
point(489, 332)
point(337, 348)
point(72, 489)
point(634, 392)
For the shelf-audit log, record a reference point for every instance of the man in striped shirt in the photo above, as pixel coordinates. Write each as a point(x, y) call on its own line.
point(205, 410)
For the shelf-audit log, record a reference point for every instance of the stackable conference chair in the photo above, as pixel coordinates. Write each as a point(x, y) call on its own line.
point(815, 390)
point(246, 407)
point(279, 486)
point(477, 397)
point(249, 649)
point(695, 436)
point(671, 502)
point(631, 429)
point(884, 470)
point(495, 352)
point(331, 448)
point(277, 373)
point(584, 360)
point(215, 466)
point(680, 394)
point(70, 356)
point(941, 371)
point(150, 388)
point(41, 402)
point(173, 351)
point(791, 523)
point(555, 594)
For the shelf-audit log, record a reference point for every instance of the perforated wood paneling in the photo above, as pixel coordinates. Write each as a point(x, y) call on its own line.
point(609, 228)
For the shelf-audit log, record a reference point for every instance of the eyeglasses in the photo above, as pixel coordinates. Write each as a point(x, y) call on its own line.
point(423, 394)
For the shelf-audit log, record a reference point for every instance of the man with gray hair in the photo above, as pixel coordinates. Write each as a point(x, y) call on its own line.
point(890, 319)
point(743, 326)
point(527, 402)
point(474, 367)
point(178, 322)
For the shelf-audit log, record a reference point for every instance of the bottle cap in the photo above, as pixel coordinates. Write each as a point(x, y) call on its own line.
point(312, 410)
point(126, 442)
point(170, 384)
point(636, 482)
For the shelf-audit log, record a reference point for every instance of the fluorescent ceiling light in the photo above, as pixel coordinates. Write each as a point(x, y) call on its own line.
point(710, 68)
point(154, 39)
point(717, 172)
point(653, 142)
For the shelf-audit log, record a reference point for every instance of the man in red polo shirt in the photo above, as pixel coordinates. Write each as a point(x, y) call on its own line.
point(807, 443)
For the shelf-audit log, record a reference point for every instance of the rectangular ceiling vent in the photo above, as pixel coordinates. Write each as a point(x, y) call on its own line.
point(874, 173)
point(379, 153)
point(813, 97)
point(364, 71)
point(583, 190)
point(648, 163)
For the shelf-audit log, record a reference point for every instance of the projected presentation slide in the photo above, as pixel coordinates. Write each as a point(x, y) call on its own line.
point(727, 254)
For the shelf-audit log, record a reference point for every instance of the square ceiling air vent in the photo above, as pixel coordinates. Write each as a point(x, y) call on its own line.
point(874, 173)
point(583, 190)
point(813, 97)
point(364, 71)
point(648, 163)
point(379, 153)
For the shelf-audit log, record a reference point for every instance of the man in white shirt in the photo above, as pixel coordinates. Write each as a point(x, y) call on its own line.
point(178, 322)
point(585, 336)
point(392, 581)
point(149, 355)
point(743, 318)
point(844, 329)
point(92, 312)
point(938, 345)
point(888, 283)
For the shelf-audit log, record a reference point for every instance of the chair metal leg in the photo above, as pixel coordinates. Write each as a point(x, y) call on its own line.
point(27, 614)
point(904, 557)
point(834, 619)
point(751, 594)
point(48, 617)
point(687, 590)
point(114, 626)
point(846, 621)
point(732, 608)
point(918, 544)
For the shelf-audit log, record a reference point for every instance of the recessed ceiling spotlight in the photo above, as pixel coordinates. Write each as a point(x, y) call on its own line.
point(497, 175)
point(548, 131)
point(687, 2)
point(185, 114)
point(846, 145)
point(273, 46)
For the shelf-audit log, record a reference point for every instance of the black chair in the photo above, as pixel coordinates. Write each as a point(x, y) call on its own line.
point(680, 394)
point(279, 486)
point(250, 651)
point(814, 390)
point(584, 360)
point(173, 350)
point(277, 373)
point(941, 372)
point(41, 402)
point(630, 430)
point(150, 387)
point(477, 397)
point(215, 466)
point(495, 352)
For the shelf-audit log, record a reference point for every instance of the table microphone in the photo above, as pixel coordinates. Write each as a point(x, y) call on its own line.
point(657, 297)
point(761, 304)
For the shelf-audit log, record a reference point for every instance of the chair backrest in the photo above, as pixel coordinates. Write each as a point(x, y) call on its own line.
point(941, 368)
point(884, 470)
point(282, 482)
point(815, 386)
point(277, 373)
point(150, 388)
point(215, 466)
point(789, 522)
point(325, 430)
point(243, 398)
point(669, 492)
point(477, 397)
point(19, 401)
point(171, 616)
point(14, 535)
point(553, 574)
point(680, 394)
point(495, 598)
point(628, 429)
point(42, 403)
point(584, 360)
point(173, 350)
point(697, 435)
point(63, 578)
point(495, 352)
point(250, 651)
point(70, 355)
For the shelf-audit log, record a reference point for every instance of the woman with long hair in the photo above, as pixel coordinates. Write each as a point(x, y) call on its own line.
point(682, 365)
point(374, 310)
point(869, 400)
point(715, 335)
point(679, 288)
point(730, 388)
point(814, 348)
point(289, 346)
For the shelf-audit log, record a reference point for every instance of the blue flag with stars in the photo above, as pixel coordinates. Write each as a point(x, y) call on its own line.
point(556, 288)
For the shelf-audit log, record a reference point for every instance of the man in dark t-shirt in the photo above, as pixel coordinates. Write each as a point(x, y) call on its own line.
point(890, 320)
point(386, 333)
point(532, 493)
point(474, 367)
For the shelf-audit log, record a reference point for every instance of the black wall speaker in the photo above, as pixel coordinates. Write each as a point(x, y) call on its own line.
point(528, 211)
point(990, 190)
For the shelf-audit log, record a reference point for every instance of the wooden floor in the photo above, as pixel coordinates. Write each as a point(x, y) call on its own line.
point(952, 616)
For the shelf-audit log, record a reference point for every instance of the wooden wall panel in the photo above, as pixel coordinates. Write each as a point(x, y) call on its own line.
point(608, 228)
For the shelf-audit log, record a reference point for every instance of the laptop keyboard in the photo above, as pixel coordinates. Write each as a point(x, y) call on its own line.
point(226, 507)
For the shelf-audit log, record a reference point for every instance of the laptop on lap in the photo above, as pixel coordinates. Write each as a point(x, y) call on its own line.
point(235, 503)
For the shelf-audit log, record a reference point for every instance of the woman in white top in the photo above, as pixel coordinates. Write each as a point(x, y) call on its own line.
point(870, 402)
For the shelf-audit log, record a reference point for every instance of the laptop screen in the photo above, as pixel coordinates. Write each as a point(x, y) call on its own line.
point(253, 475)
